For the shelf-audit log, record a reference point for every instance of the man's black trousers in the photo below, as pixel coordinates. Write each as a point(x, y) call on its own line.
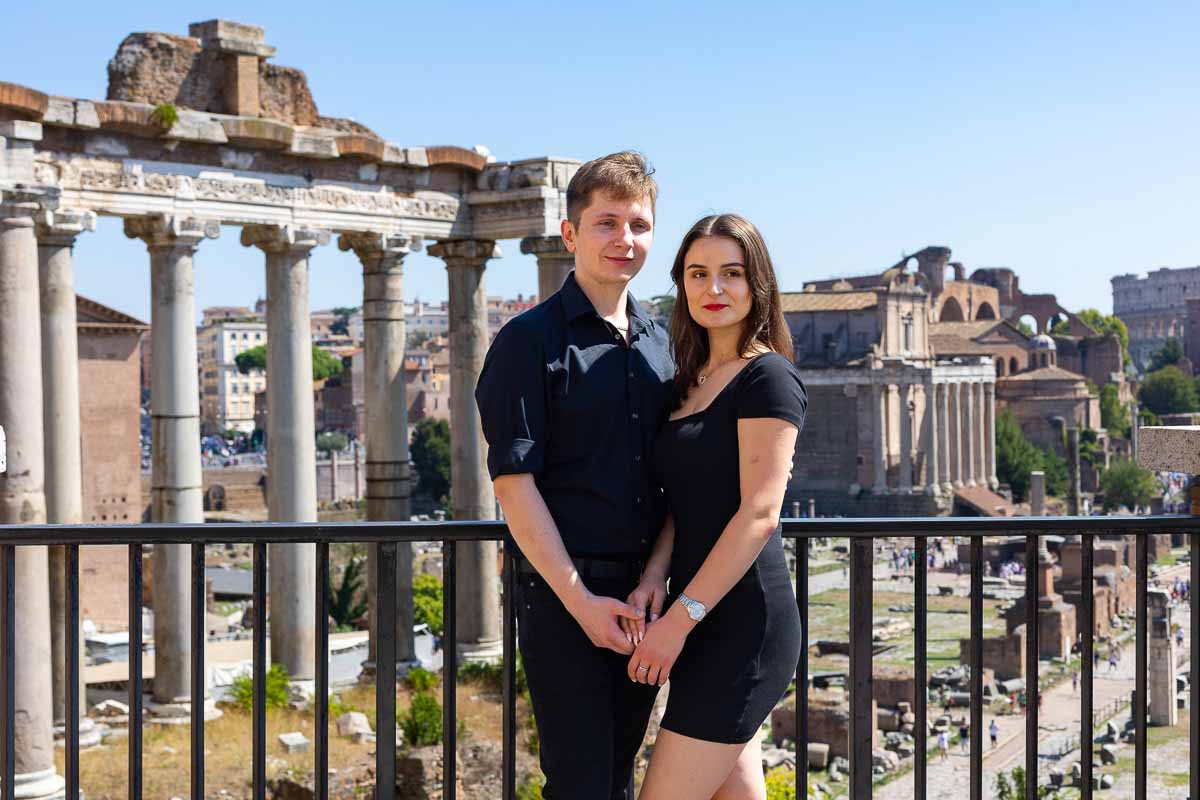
point(591, 718)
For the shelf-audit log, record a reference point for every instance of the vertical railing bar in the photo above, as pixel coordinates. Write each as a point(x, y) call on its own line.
point(8, 553)
point(861, 655)
point(1143, 640)
point(449, 670)
point(1194, 657)
point(1033, 648)
point(802, 666)
point(976, 732)
point(199, 626)
point(135, 672)
point(1088, 624)
point(258, 725)
point(920, 666)
point(510, 676)
point(72, 668)
point(385, 673)
point(321, 676)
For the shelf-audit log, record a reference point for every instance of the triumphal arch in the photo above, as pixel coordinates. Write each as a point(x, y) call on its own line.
point(199, 133)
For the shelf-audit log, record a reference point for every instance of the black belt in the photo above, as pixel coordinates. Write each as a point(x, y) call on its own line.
point(602, 569)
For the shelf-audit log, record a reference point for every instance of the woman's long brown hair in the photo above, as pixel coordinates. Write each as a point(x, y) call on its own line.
point(764, 324)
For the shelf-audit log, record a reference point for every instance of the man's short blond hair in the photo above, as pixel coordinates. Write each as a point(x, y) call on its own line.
point(624, 176)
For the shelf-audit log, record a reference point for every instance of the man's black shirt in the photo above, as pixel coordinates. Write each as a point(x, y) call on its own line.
point(563, 398)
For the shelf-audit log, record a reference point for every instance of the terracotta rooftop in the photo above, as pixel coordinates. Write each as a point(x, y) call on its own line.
point(1046, 374)
point(967, 330)
point(829, 301)
point(949, 344)
point(985, 501)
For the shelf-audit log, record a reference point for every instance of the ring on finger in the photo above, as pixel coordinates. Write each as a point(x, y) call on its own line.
point(643, 669)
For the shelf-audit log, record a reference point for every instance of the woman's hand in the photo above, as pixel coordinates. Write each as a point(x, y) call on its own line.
point(652, 660)
point(647, 599)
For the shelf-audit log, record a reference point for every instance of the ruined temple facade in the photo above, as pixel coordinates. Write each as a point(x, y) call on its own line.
point(1156, 308)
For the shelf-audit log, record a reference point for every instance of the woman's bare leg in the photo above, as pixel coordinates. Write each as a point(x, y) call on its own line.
point(683, 768)
point(746, 781)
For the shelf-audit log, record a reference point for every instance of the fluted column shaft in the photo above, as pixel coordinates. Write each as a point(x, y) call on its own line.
point(389, 483)
point(981, 456)
point(930, 441)
point(904, 395)
point(22, 489)
point(291, 439)
point(990, 435)
point(553, 260)
point(56, 232)
point(879, 412)
point(972, 439)
point(176, 487)
point(956, 395)
point(942, 395)
point(471, 493)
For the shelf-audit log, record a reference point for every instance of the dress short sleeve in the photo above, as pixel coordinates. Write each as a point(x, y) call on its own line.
point(771, 387)
point(511, 395)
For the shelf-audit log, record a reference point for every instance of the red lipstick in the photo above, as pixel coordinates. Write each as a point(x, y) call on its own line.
point(715, 307)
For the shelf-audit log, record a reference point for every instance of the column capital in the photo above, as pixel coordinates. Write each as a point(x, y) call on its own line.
point(280, 239)
point(466, 252)
point(23, 203)
point(169, 230)
point(61, 226)
point(545, 247)
point(370, 245)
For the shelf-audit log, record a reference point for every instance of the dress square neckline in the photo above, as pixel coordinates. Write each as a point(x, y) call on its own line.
point(724, 389)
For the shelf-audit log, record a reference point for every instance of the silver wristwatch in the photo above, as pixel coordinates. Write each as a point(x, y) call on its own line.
point(695, 608)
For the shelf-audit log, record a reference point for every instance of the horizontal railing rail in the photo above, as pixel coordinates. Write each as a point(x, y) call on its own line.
point(388, 535)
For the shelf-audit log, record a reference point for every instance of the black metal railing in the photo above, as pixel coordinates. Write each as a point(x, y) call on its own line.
point(861, 534)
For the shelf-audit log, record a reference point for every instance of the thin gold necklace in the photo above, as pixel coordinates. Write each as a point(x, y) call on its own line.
point(701, 378)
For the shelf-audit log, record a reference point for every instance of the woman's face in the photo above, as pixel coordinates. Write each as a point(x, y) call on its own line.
point(714, 280)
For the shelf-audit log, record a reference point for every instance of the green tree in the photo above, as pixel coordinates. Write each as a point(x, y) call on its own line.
point(1016, 456)
point(1025, 328)
point(1113, 414)
point(1125, 483)
point(662, 306)
point(427, 602)
point(1055, 467)
point(431, 457)
point(330, 441)
point(324, 365)
point(341, 322)
point(1107, 323)
point(1061, 328)
point(1168, 391)
point(1171, 353)
point(417, 339)
point(345, 605)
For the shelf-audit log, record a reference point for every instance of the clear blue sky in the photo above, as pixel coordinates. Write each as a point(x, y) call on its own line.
point(1058, 139)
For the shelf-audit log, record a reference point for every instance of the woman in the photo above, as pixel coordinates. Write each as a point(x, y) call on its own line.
point(730, 638)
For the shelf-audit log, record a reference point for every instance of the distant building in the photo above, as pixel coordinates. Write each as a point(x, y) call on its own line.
point(1155, 308)
point(226, 394)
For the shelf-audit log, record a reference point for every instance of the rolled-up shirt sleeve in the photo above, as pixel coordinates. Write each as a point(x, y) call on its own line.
point(511, 395)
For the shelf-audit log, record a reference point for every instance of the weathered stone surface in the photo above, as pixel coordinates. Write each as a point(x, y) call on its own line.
point(258, 132)
point(1108, 754)
point(227, 36)
point(136, 118)
point(294, 742)
point(455, 155)
point(197, 128)
point(313, 145)
point(366, 147)
point(1174, 448)
point(21, 129)
point(818, 755)
point(353, 722)
point(23, 100)
point(288, 789)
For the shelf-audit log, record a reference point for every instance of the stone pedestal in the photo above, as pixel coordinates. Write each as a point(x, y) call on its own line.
point(1037, 493)
point(479, 631)
point(1056, 619)
point(176, 489)
point(22, 490)
point(291, 446)
point(1163, 708)
point(389, 483)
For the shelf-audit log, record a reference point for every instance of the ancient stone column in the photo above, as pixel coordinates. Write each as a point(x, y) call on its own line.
point(967, 393)
point(56, 232)
point(904, 397)
point(22, 490)
point(471, 494)
point(553, 260)
point(942, 398)
point(956, 414)
point(176, 487)
point(981, 429)
point(389, 482)
point(1037, 493)
point(930, 441)
point(879, 413)
point(990, 434)
point(291, 440)
point(1164, 710)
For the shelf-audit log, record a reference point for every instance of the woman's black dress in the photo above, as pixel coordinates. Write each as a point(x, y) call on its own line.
point(737, 663)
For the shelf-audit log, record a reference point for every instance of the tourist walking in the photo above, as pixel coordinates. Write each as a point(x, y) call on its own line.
point(571, 396)
point(964, 736)
point(1074, 683)
point(944, 745)
point(730, 640)
point(994, 733)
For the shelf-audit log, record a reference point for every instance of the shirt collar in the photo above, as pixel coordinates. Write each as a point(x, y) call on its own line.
point(577, 304)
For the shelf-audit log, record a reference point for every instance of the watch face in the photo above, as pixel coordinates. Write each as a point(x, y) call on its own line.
point(695, 613)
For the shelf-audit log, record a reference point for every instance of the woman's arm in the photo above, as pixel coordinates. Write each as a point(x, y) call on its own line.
point(651, 591)
point(766, 447)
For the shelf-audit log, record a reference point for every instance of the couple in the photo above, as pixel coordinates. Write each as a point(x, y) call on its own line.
point(625, 456)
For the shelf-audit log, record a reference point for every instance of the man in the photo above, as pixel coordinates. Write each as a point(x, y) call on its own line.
point(571, 396)
point(994, 732)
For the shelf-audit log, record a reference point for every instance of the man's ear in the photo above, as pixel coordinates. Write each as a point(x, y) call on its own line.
point(568, 234)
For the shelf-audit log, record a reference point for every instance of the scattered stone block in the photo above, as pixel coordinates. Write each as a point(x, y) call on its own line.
point(1107, 781)
point(818, 755)
point(110, 708)
point(1108, 754)
point(294, 742)
point(353, 722)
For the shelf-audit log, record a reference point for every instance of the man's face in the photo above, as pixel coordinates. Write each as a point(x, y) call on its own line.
point(612, 239)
